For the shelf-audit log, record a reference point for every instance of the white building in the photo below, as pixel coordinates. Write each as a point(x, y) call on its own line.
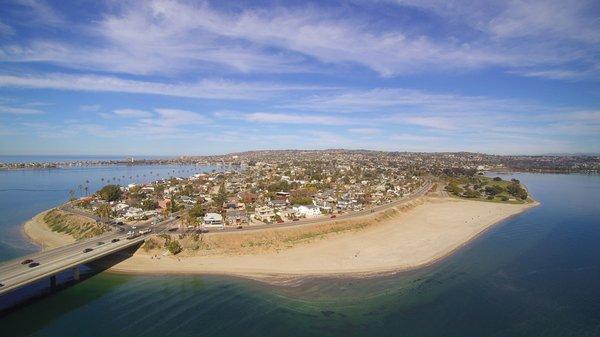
point(309, 211)
point(264, 213)
point(213, 220)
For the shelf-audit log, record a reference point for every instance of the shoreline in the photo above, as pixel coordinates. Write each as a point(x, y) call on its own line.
point(435, 225)
point(37, 232)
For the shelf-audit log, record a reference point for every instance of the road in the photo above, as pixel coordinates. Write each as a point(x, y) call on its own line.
point(367, 211)
point(14, 274)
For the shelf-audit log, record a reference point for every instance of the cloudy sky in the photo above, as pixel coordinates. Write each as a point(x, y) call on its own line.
point(177, 77)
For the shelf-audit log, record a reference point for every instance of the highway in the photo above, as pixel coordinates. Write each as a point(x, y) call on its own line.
point(14, 274)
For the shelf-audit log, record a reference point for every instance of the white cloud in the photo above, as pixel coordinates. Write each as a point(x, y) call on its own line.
point(432, 122)
point(287, 118)
point(11, 110)
point(177, 117)
point(210, 89)
point(89, 107)
point(166, 37)
point(365, 131)
point(132, 113)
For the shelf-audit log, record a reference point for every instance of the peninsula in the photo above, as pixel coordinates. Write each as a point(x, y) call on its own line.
point(276, 220)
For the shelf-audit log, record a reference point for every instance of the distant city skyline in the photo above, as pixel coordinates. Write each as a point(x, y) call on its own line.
point(176, 78)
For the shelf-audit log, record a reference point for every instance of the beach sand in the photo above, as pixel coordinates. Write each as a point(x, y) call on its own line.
point(414, 238)
point(38, 232)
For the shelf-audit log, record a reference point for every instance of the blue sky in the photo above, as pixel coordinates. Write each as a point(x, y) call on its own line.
point(179, 77)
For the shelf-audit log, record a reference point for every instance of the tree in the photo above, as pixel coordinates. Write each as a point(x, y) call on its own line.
point(172, 206)
point(104, 211)
point(197, 211)
point(454, 189)
point(174, 247)
point(469, 193)
point(515, 189)
point(301, 201)
point(149, 204)
point(110, 193)
point(497, 179)
point(221, 196)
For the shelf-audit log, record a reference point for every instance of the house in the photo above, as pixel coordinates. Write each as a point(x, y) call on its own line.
point(187, 200)
point(309, 211)
point(120, 207)
point(213, 220)
point(265, 214)
point(134, 213)
point(278, 203)
point(236, 217)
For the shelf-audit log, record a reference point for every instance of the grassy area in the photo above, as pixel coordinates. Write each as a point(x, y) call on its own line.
point(77, 226)
point(488, 189)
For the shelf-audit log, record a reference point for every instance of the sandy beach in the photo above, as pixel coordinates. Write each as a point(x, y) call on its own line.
point(417, 235)
point(414, 238)
point(38, 232)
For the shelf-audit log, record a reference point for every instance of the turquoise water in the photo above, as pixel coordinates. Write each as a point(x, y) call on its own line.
point(536, 274)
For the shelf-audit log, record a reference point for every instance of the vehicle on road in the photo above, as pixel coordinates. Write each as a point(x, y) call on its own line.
point(134, 227)
point(333, 216)
point(99, 243)
point(1, 285)
point(239, 227)
point(296, 219)
point(115, 240)
point(33, 264)
point(87, 250)
point(28, 261)
point(172, 229)
point(145, 231)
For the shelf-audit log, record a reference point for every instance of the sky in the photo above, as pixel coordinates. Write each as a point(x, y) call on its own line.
point(212, 77)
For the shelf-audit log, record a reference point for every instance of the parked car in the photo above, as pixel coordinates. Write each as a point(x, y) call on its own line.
point(114, 240)
point(87, 250)
point(333, 216)
point(33, 264)
point(239, 227)
point(28, 261)
point(1, 285)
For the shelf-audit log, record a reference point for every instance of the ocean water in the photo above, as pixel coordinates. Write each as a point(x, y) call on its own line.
point(536, 274)
point(66, 158)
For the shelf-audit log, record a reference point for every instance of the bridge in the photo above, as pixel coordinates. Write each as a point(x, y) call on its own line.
point(20, 272)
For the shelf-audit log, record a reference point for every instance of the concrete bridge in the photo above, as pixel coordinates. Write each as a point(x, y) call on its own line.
point(16, 273)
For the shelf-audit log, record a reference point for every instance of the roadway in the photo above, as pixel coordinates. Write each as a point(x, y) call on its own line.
point(353, 214)
point(14, 274)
